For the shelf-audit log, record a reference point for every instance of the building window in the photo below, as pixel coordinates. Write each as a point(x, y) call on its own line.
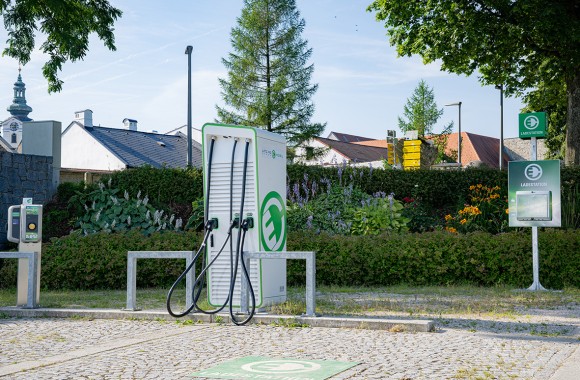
point(13, 139)
point(309, 153)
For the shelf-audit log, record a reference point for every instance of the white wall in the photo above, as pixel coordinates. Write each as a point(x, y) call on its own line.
point(81, 151)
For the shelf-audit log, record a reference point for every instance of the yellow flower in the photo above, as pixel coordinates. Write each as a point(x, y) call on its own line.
point(471, 187)
point(463, 221)
point(507, 210)
point(448, 217)
point(451, 229)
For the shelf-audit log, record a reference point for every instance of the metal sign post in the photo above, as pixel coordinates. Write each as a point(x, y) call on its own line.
point(535, 250)
point(534, 189)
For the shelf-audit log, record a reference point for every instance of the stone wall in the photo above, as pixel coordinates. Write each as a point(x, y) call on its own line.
point(23, 176)
point(520, 150)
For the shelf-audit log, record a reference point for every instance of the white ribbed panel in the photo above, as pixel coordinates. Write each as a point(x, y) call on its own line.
point(220, 277)
point(219, 200)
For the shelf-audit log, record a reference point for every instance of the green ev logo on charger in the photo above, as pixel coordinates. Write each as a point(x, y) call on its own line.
point(273, 219)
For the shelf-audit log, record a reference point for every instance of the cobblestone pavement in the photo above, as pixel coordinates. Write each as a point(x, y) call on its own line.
point(75, 348)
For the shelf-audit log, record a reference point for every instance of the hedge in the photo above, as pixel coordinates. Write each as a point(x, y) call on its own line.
point(440, 258)
point(435, 258)
point(436, 188)
point(99, 261)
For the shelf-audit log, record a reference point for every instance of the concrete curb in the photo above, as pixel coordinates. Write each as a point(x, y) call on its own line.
point(570, 368)
point(395, 325)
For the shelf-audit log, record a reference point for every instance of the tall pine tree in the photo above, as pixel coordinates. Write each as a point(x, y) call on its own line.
point(421, 111)
point(268, 83)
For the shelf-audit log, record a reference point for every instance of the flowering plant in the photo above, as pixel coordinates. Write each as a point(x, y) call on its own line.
point(486, 210)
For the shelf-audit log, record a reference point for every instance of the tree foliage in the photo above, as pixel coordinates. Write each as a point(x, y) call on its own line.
point(517, 43)
point(551, 98)
point(268, 84)
point(67, 26)
point(421, 112)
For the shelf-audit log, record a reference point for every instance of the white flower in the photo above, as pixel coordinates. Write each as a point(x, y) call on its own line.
point(126, 195)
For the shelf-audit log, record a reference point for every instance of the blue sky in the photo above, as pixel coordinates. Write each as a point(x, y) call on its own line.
point(363, 86)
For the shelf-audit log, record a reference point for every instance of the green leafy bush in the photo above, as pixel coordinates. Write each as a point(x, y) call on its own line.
point(438, 258)
point(99, 261)
point(379, 215)
point(106, 211)
point(165, 187)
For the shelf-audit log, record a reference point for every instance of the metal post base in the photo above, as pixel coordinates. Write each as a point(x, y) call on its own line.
point(536, 286)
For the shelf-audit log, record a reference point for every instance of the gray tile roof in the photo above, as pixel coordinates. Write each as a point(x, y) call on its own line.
point(356, 152)
point(136, 148)
point(345, 137)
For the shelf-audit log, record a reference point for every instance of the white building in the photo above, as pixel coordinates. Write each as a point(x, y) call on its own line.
point(90, 148)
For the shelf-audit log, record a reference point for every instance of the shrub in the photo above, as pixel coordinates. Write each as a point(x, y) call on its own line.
point(164, 186)
point(106, 211)
point(486, 210)
point(379, 215)
point(99, 261)
point(438, 258)
point(342, 209)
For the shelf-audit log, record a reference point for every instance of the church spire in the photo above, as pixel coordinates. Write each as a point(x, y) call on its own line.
point(19, 109)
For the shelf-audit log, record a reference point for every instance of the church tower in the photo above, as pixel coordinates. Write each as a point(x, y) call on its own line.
point(19, 110)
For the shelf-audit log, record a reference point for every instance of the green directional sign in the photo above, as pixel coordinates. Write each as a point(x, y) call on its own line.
point(534, 124)
point(258, 367)
point(534, 193)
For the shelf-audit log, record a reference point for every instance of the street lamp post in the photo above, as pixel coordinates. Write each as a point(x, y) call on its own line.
point(188, 51)
point(500, 88)
point(458, 104)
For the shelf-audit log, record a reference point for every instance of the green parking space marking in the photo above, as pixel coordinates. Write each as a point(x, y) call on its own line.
point(263, 368)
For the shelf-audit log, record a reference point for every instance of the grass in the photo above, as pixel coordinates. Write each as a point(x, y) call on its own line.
point(439, 301)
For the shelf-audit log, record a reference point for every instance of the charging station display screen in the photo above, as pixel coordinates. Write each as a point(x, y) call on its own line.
point(534, 205)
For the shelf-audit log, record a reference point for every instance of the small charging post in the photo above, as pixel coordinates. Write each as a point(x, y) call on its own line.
point(25, 228)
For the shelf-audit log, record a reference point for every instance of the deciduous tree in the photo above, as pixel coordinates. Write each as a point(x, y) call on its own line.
point(66, 25)
point(517, 43)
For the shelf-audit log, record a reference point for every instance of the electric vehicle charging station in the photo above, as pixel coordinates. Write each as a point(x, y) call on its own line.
point(264, 206)
point(245, 211)
point(25, 228)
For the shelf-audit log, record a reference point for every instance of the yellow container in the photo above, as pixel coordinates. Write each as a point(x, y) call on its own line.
point(412, 143)
point(411, 156)
point(411, 149)
point(411, 163)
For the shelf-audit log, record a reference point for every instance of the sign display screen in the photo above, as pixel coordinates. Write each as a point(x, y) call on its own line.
point(534, 205)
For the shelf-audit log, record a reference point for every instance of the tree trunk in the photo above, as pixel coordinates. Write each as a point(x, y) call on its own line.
point(573, 121)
